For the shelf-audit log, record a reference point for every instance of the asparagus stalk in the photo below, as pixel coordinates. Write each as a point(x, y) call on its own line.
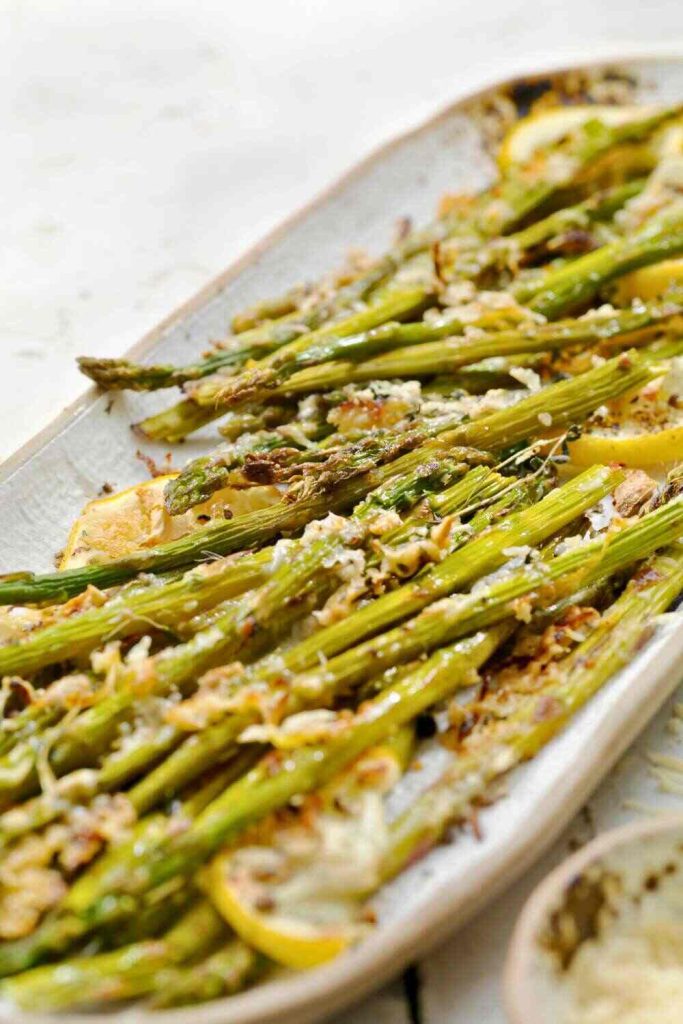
point(228, 970)
point(115, 892)
point(260, 381)
point(258, 341)
point(270, 785)
point(158, 605)
point(325, 467)
point(419, 491)
point(269, 309)
point(199, 751)
point(121, 974)
point(449, 355)
point(221, 819)
point(229, 464)
point(124, 375)
point(237, 629)
point(528, 188)
point(560, 291)
point(600, 206)
point(492, 750)
point(60, 932)
point(446, 620)
point(221, 638)
point(396, 305)
point(217, 396)
point(480, 555)
point(440, 625)
point(520, 195)
point(566, 402)
point(273, 606)
point(497, 747)
point(251, 419)
point(239, 533)
point(508, 251)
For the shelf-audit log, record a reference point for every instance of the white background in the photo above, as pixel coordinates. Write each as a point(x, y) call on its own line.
point(146, 145)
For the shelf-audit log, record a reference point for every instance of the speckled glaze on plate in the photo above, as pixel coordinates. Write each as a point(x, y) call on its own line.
point(46, 483)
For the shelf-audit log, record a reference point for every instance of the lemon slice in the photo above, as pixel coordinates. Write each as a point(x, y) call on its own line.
point(293, 943)
point(121, 523)
point(295, 888)
point(649, 282)
point(668, 141)
point(542, 129)
point(636, 450)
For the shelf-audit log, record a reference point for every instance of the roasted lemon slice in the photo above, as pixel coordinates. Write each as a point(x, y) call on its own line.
point(658, 448)
point(650, 282)
point(286, 940)
point(641, 430)
point(121, 523)
point(540, 130)
point(294, 889)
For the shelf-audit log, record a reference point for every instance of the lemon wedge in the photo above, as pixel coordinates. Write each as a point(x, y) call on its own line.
point(650, 282)
point(638, 431)
point(635, 450)
point(294, 889)
point(544, 128)
point(296, 944)
point(121, 523)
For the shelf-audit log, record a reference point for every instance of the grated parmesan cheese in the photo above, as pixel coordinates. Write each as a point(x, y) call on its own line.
point(637, 978)
point(526, 376)
point(602, 514)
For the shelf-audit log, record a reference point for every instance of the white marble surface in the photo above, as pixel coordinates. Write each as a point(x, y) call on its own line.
point(145, 146)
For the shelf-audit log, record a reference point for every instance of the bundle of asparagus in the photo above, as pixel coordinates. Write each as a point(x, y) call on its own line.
point(199, 736)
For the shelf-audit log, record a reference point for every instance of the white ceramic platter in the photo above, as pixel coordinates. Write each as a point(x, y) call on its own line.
point(47, 482)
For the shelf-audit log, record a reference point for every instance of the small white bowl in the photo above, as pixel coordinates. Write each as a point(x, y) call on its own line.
point(620, 879)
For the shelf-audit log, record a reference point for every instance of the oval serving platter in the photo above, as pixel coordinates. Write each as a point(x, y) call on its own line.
point(48, 480)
